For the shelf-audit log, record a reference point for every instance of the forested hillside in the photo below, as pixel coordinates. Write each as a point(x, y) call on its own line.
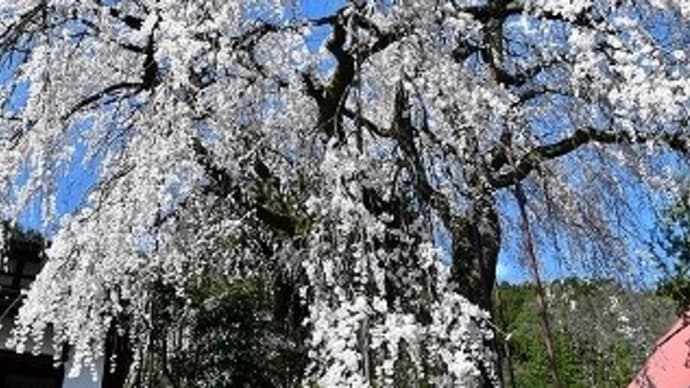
point(602, 332)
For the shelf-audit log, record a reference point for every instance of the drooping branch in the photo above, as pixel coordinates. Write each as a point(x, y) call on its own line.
point(540, 295)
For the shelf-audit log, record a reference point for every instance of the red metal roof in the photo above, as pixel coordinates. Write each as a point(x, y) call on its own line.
point(669, 364)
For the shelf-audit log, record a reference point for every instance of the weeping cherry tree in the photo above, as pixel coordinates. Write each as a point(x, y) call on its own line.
point(370, 163)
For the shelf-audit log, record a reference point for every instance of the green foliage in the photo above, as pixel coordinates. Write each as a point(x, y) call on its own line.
point(222, 335)
point(591, 348)
point(518, 315)
point(676, 284)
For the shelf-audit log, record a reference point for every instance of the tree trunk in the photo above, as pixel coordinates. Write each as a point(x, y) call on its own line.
point(476, 243)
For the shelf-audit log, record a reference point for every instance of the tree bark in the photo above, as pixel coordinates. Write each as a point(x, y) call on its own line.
point(476, 243)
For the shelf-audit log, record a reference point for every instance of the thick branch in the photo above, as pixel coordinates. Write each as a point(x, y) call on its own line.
point(503, 9)
point(581, 137)
point(330, 98)
point(129, 20)
point(403, 131)
point(223, 185)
